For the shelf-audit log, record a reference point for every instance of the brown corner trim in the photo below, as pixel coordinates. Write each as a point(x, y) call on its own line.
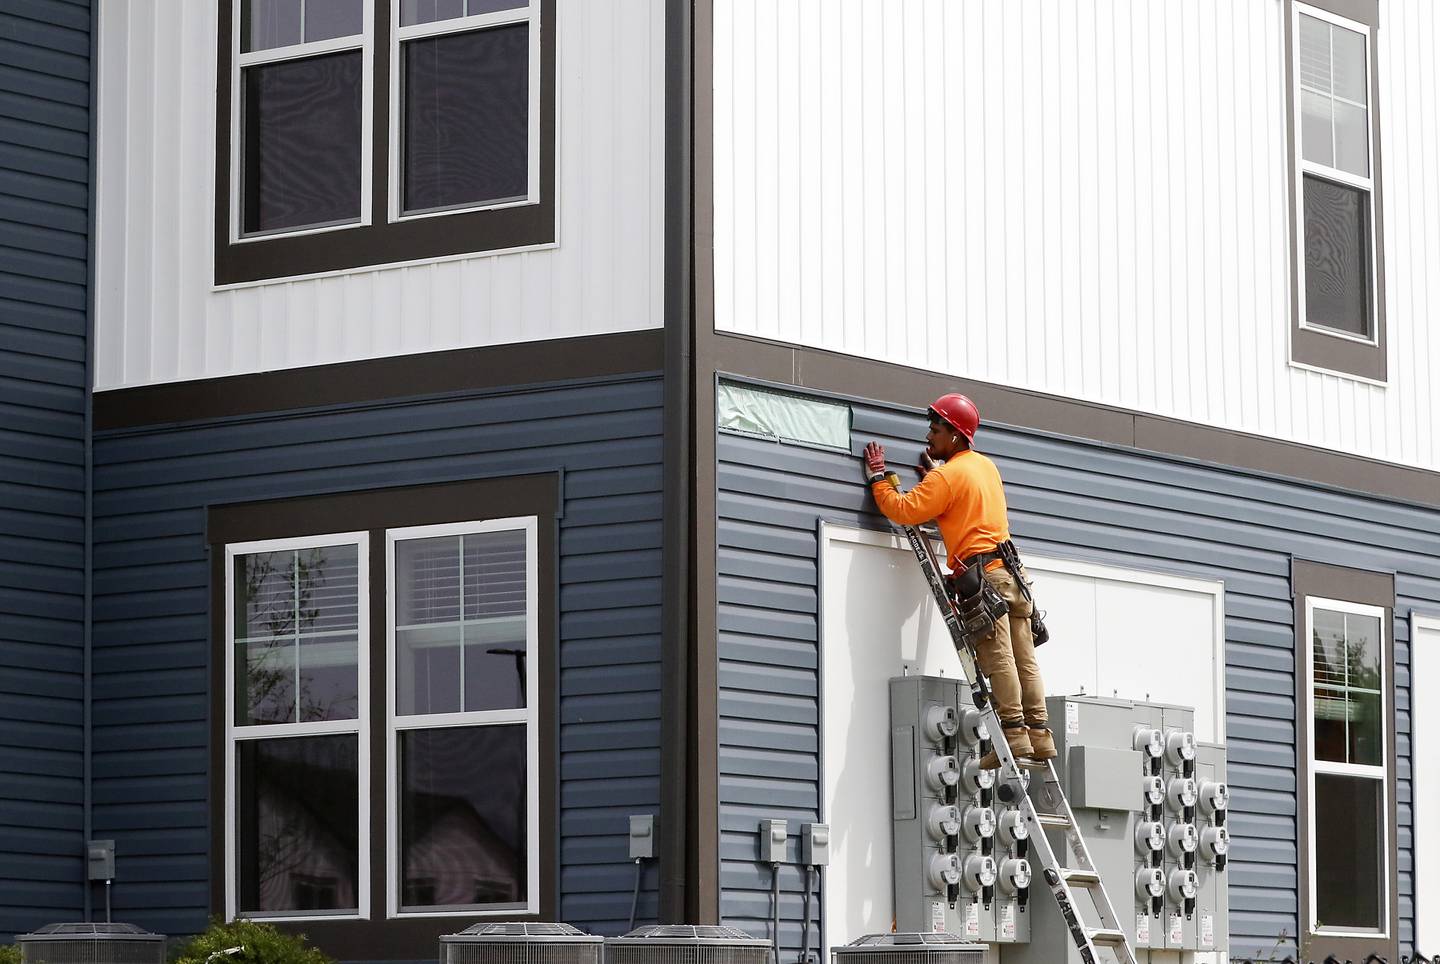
point(379, 379)
point(891, 384)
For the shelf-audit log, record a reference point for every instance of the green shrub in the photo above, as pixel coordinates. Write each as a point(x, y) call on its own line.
point(9, 954)
point(260, 943)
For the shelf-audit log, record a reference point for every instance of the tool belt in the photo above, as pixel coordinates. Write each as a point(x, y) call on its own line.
point(972, 571)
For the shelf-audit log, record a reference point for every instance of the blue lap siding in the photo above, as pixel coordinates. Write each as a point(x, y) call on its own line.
point(44, 267)
point(1067, 499)
point(152, 604)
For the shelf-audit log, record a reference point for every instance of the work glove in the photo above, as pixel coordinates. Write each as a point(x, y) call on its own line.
point(874, 462)
point(926, 465)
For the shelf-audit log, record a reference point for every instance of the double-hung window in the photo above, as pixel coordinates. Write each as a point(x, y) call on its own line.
point(1338, 321)
point(1345, 718)
point(362, 132)
point(463, 744)
point(297, 756)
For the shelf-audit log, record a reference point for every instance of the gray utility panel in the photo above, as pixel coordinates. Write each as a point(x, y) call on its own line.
point(960, 862)
point(1151, 804)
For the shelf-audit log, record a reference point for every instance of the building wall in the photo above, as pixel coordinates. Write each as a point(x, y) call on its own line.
point(1072, 500)
point(159, 318)
point(1084, 199)
point(152, 605)
point(44, 265)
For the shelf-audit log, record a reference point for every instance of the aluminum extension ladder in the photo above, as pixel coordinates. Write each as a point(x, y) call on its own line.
point(1013, 784)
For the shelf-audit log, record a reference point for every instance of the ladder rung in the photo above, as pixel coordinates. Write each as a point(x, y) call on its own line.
point(1105, 937)
point(1025, 763)
point(1085, 878)
point(1052, 820)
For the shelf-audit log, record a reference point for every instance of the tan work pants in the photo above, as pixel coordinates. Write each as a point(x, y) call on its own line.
point(1008, 656)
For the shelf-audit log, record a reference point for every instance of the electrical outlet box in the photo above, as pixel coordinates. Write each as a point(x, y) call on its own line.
point(100, 860)
point(1103, 778)
point(815, 844)
point(642, 836)
point(773, 834)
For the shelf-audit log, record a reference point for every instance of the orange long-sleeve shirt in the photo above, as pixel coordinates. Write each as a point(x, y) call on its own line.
point(964, 495)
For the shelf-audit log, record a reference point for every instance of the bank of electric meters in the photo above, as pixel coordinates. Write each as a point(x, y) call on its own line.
point(1151, 804)
point(1149, 800)
point(961, 855)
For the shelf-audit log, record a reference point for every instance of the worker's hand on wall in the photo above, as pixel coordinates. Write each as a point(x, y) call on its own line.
point(874, 460)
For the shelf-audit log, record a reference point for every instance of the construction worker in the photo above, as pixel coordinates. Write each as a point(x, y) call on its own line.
point(961, 490)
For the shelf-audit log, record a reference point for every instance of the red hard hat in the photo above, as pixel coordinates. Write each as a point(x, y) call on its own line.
point(958, 412)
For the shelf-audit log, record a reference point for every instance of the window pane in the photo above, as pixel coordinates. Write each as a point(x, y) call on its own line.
point(1347, 856)
point(461, 633)
point(429, 11)
point(1348, 48)
point(1316, 132)
point(327, 19)
point(1337, 257)
point(476, 7)
point(265, 24)
point(495, 623)
point(467, 118)
point(1365, 727)
point(1352, 139)
point(296, 635)
point(302, 143)
point(1315, 53)
point(463, 816)
point(297, 820)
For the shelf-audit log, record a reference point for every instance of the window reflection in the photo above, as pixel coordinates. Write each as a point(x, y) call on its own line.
point(462, 816)
point(297, 824)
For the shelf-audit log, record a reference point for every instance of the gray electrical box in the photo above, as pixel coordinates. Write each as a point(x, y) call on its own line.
point(100, 860)
point(773, 834)
point(815, 844)
point(642, 836)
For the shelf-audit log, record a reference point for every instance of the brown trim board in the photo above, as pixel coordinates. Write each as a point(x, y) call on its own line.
point(1375, 589)
point(379, 938)
point(853, 377)
point(704, 812)
point(378, 379)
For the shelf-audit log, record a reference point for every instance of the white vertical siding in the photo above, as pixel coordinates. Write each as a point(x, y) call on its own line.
point(1088, 199)
point(159, 319)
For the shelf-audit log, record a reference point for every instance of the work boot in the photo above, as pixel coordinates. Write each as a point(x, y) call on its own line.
point(1042, 742)
point(1019, 739)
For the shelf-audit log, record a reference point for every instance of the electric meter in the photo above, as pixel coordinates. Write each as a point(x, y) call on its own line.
point(972, 726)
point(943, 821)
point(1184, 885)
point(980, 872)
point(1181, 793)
point(1012, 828)
point(1214, 842)
point(941, 723)
point(1149, 883)
point(942, 772)
point(1214, 797)
point(977, 779)
point(1179, 747)
point(1149, 837)
point(979, 823)
point(1154, 790)
point(944, 871)
point(1150, 742)
point(1014, 875)
point(1183, 839)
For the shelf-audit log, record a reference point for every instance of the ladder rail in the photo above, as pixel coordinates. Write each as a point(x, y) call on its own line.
point(1053, 869)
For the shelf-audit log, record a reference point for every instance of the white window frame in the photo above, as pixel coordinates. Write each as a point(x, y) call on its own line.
point(1304, 167)
point(1315, 767)
point(529, 715)
point(528, 13)
point(239, 61)
point(360, 726)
